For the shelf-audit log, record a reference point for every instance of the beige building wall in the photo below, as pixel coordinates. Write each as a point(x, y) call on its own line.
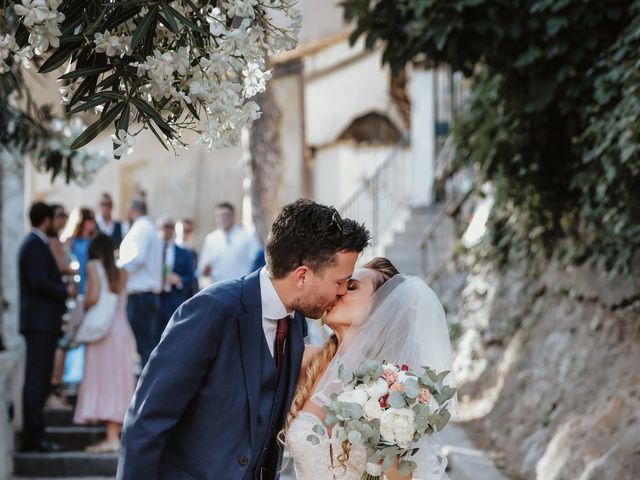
point(187, 185)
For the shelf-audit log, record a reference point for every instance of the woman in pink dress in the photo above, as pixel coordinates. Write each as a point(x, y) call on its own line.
point(108, 382)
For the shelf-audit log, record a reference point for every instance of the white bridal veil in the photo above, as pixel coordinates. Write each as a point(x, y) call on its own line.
point(406, 325)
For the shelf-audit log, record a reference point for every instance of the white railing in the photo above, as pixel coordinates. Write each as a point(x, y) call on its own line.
point(384, 196)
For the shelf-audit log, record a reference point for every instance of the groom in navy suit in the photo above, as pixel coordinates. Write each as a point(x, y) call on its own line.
point(216, 390)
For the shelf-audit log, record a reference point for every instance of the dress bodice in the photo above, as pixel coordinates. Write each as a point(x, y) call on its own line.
point(313, 462)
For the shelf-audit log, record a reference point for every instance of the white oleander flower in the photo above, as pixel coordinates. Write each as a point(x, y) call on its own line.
point(24, 56)
point(33, 11)
point(45, 35)
point(240, 8)
point(372, 409)
point(7, 46)
point(124, 143)
point(112, 45)
point(255, 80)
point(378, 389)
point(67, 92)
point(396, 427)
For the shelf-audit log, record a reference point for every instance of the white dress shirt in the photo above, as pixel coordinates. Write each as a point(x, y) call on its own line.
point(141, 257)
point(107, 228)
point(272, 308)
point(230, 254)
point(41, 235)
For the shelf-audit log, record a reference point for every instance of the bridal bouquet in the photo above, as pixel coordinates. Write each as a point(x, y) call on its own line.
point(387, 408)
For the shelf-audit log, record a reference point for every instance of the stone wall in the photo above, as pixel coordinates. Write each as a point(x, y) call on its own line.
point(549, 365)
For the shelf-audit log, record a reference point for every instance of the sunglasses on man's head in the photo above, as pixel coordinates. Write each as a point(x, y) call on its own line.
point(336, 222)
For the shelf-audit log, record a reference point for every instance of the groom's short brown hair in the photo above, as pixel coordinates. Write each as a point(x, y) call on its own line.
point(308, 233)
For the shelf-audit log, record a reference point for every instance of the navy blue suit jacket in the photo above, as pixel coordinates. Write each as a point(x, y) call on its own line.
point(194, 414)
point(42, 293)
point(184, 267)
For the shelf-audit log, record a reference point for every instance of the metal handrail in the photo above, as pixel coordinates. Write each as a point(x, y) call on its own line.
point(383, 194)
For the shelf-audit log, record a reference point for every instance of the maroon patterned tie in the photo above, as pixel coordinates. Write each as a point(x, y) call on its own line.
point(281, 335)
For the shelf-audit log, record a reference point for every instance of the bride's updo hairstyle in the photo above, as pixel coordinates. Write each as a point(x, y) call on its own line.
point(385, 270)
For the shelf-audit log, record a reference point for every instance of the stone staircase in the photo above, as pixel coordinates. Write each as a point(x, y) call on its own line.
point(75, 464)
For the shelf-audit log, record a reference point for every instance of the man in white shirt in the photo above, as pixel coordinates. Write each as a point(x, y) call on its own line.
point(229, 251)
point(141, 257)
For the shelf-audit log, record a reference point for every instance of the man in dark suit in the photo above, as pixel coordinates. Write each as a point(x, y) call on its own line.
point(178, 273)
point(217, 388)
point(42, 303)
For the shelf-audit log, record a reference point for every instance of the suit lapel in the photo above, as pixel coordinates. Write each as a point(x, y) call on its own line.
point(251, 334)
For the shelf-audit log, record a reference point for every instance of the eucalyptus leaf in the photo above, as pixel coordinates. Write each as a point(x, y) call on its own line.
point(396, 399)
point(314, 440)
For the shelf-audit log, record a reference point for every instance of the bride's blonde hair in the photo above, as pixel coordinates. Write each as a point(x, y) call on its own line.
point(321, 360)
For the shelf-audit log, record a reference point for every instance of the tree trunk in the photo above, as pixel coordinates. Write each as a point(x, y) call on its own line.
point(264, 162)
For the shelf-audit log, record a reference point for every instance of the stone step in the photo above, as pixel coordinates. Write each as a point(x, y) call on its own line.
point(58, 417)
point(62, 478)
point(67, 464)
point(75, 437)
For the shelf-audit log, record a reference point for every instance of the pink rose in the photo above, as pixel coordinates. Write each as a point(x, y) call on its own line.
point(390, 376)
point(424, 396)
point(397, 387)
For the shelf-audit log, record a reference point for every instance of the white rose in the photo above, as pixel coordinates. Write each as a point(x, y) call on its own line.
point(396, 426)
point(372, 409)
point(388, 366)
point(358, 396)
point(378, 389)
point(402, 376)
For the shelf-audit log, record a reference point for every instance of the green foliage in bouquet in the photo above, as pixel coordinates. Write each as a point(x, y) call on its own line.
point(387, 409)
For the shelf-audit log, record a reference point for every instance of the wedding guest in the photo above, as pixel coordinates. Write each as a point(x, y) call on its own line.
point(60, 217)
point(78, 232)
point(230, 250)
point(107, 224)
point(178, 273)
point(141, 257)
point(60, 253)
point(42, 303)
point(108, 382)
point(184, 239)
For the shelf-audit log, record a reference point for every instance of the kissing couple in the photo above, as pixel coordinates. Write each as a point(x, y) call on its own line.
point(232, 382)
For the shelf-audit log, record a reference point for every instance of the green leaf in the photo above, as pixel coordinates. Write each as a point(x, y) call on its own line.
point(58, 57)
point(94, 129)
point(345, 374)
point(313, 440)
point(319, 429)
point(406, 467)
point(90, 102)
point(528, 57)
point(411, 388)
point(144, 107)
point(86, 71)
point(186, 21)
point(142, 30)
point(396, 399)
point(169, 18)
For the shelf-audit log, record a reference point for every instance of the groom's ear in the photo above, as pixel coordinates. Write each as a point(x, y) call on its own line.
point(300, 275)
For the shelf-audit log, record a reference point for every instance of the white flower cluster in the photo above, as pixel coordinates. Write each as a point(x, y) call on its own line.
point(42, 19)
point(205, 85)
point(113, 45)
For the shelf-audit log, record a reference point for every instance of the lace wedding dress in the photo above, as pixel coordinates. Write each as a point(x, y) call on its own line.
point(313, 462)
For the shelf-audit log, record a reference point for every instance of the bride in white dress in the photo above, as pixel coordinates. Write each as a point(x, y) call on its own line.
point(384, 316)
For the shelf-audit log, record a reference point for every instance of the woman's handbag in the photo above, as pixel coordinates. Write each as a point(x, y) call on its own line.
point(97, 319)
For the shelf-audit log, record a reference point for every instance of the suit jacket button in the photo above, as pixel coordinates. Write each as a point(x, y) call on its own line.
point(244, 461)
